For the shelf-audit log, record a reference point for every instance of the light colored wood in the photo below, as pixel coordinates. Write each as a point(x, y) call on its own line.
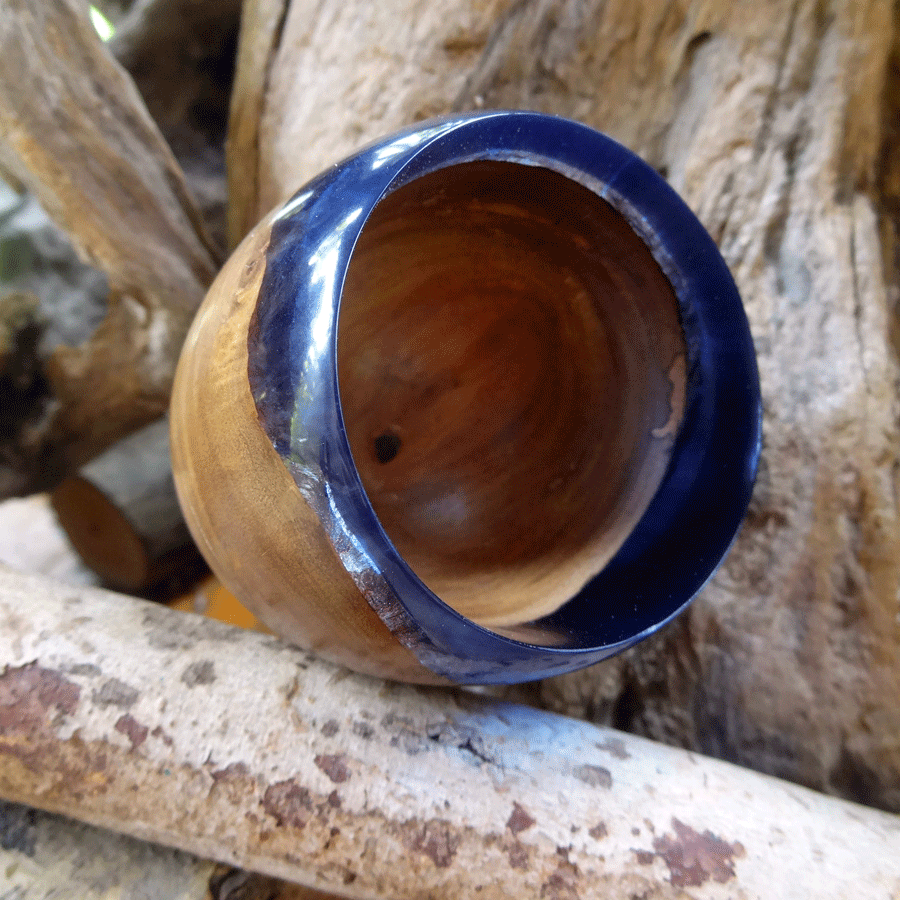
point(48, 857)
point(121, 513)
point(258, 534)
point(231, 745)
point(341, 75)
point(777, 121)
point(74, 127)
point(262, 24)
point(790, 661)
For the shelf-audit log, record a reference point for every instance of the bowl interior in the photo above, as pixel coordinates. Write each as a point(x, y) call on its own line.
point(512, 377)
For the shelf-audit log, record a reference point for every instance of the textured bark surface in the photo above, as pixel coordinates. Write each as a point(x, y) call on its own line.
point(777, 121)
point(47, 857)
point(257, 754)
point(74, 128)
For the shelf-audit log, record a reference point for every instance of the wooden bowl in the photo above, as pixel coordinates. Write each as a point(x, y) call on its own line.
point(478, 404)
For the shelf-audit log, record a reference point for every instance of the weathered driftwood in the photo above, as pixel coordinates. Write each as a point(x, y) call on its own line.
point(46, 857)
point(790, 661)
point(180, 54)
point(229, 744)
point(74, 128)
point(121, 514)
point(262, 25)
point(777, 122)
point(31, 540)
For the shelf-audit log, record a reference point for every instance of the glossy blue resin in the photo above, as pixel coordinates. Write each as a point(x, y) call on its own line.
point(697, 510)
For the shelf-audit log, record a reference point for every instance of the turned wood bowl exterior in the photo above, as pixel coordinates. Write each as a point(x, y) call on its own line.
point(478, 404)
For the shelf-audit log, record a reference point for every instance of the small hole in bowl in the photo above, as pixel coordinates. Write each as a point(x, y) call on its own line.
point(387, 446)
point(511, 371)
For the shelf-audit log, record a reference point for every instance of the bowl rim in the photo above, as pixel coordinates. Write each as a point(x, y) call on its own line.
point(694, 517)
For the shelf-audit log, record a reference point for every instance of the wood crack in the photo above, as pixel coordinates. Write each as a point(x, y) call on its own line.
point(472, 93)
point(768, 113)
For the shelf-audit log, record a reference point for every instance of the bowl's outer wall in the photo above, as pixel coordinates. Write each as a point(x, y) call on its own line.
point(258, 534)
point(292, 351)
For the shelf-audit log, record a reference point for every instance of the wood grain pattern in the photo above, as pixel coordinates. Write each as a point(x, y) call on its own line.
point(121, 513)
point(777, 121)
point(510, 337)
point(244, 509)
point(73, 125)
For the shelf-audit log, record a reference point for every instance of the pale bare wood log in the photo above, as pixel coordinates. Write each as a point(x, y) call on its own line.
point(229, 744)
point(790, 661)
point(776, 123)
point(44, 856)
point(74, 127)
point(322, 80)
point(31, 540)
point(121, 513)
point(47, 857)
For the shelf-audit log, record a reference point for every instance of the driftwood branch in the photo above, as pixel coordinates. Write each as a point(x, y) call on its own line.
point(262, 26)
point(46, 857)
point(121, 514)
point(75, 129)
point(779, 125)
point(234, 746)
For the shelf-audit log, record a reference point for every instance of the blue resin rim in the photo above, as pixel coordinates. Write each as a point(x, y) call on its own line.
point(697, 510)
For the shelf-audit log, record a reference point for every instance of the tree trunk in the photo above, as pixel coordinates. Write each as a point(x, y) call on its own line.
point(777, 121)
